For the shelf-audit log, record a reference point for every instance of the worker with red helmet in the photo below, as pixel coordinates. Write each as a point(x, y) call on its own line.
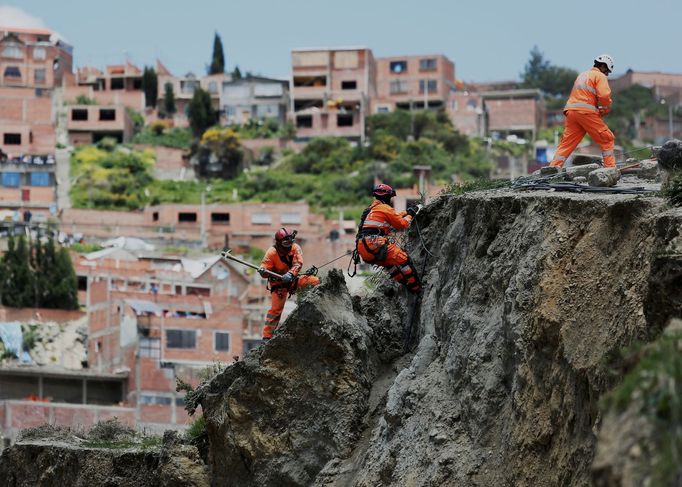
point(372, 243)
point(286, 259)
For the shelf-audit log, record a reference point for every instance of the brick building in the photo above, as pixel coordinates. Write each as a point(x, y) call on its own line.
point(517, 112)
point(33, 58)
point(331, 90)
point(413, 82)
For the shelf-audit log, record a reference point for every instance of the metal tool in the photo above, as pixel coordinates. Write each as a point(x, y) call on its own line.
point(225, 254)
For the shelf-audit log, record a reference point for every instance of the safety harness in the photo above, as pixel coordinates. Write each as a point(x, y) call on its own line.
point(274, 286)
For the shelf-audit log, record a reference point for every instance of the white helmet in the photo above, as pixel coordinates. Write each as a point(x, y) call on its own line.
point(606, 59)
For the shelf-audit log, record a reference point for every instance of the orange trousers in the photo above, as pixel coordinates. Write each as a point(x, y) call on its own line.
point(279, 298)
point(399, 263)
point(577, 125)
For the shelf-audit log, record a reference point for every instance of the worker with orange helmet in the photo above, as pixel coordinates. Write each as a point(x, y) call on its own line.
point(286, 259)
point(590, 100)
point(372, 243)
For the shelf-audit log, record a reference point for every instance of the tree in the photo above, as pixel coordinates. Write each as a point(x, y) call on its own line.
point(218, 60)
point(168, 99)
point(64, 291)
point(236, 73)
point(150, 86)
point(200, 112)
point(220, 154)
point(541, 74)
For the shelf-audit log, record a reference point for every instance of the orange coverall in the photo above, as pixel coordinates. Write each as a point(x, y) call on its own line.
point(590, 100)
point(291, 261)
point(375, 249)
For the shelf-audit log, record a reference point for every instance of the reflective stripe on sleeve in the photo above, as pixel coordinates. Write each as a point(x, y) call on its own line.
point(586, 88)
point(376, 223)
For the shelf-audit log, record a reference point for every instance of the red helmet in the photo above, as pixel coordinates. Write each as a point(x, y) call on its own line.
point(283, 238)
point(383, 191)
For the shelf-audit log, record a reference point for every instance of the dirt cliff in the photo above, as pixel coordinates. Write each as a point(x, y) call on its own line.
point(527, 298)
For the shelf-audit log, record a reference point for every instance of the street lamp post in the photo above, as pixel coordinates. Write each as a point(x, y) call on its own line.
point(204, 239)
point(670, 117)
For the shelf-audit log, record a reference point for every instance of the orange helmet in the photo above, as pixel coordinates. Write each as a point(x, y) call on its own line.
point(283, 238)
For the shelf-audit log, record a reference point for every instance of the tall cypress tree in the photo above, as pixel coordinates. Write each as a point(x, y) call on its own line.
point(65, 291)
point(168, 99)
point(200, 112)
point(150, 86)
point(218, 60)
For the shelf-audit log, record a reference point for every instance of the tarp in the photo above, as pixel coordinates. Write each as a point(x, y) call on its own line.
point(128, 243)
point(13, 339)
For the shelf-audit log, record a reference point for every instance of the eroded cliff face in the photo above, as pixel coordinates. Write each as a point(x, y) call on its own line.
point(527, 296)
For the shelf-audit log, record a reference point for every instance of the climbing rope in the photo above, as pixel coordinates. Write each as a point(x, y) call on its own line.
point(421, 240)
point(314, 269)
point(579, 188)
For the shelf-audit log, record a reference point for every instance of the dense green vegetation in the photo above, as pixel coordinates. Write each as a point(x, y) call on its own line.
point(329, 173)
point(159, 133)
point(107, 177)
point(37, 274)
point(654, 385)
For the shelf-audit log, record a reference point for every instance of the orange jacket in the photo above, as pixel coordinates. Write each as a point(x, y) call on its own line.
point(384, 217)
point(292, 261)
point(591, 93)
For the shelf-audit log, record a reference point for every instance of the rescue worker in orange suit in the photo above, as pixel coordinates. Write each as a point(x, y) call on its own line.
point(286, 259)
point(373, 245)
point(590, 100)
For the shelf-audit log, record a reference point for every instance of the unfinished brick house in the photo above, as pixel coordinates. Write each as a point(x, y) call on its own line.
point(331, 91)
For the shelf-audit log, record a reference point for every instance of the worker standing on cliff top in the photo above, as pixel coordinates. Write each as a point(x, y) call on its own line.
point(590, 100)
point(373, 245)
point(284, 258)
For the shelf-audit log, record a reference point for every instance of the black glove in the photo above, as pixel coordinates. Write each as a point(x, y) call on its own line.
point(414, 210)
point(287, 278)
point(263, 272)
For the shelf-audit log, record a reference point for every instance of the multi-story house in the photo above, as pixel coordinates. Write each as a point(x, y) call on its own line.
point(254, 98)
point(87, 124)
point(413, 82)
point(331, 91)
point(184, 88)
point(33, 58)
point(514, 112)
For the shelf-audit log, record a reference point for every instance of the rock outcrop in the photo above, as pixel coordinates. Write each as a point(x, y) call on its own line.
point(526, 298)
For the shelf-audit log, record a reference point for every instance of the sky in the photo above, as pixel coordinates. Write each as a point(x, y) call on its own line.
point(488, 40)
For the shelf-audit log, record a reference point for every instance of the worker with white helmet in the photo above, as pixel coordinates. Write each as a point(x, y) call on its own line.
point(589, 101)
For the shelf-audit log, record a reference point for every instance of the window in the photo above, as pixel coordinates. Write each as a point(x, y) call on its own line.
point(383, 109)
point(39, 75)
point(304, 121)
point(427, 64)
point(116, 83)
point(268, 89)
point(222, 341)
point(261, 219)
point(79, 114)
point(155, 216)
point(344, 120)
point(12, 72)
point(38, 53)
point(39, 179)
point(291, 218)
point(263, 111)
point(220, 218)
point(149, 399)
point(212, 87)
point(137, 83)
point(11, 179)
point(398, 87)
point(13, 51)
point(398, 67)
point(187, 217)
point(432, 85)
point(107, 114)
point(472, 104)
point(150, 347)
point(349, 85)
point(12, 139)
point(181, 339)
